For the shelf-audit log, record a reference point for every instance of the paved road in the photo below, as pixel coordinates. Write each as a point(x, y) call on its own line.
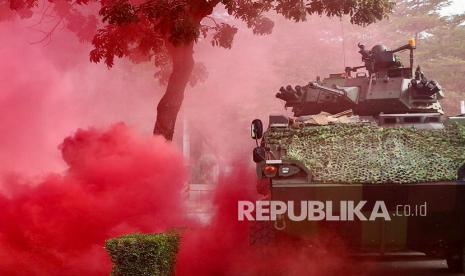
point(408, 265)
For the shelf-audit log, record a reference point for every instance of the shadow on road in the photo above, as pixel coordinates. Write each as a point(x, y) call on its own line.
point(413, 264)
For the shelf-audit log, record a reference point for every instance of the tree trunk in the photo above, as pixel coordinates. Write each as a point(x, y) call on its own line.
point(170, 103)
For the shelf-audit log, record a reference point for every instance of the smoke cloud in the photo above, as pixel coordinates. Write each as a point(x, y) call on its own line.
point(105, 179)
point(116, 183)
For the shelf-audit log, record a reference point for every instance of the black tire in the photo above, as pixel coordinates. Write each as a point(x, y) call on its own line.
point(261, 233)
point(456, 261)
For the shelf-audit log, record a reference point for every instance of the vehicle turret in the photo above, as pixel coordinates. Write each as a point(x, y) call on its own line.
point(385, 87)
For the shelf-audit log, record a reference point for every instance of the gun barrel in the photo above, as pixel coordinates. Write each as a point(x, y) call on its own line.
point(404, 47)
point(327, 89)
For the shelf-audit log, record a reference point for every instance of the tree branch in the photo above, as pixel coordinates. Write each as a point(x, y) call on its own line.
point(213, 20)
point(44, 14)
point(48, 35)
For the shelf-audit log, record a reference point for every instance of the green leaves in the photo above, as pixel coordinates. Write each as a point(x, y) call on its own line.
point(262, 25)
point(224, 35)
point(149, 28)
point(296, 9)
point(118, 12)
point(361, 12)
point(143, 254)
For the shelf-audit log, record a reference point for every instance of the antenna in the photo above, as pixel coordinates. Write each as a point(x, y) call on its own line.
point(343, 41)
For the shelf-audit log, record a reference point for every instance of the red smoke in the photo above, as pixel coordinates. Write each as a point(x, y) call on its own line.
point(214, 249)
point(222, 247)
point(116, 183)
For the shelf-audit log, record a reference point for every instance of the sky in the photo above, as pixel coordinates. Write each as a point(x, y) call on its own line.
point(457, 6)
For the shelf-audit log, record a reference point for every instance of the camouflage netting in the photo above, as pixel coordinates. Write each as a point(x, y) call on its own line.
point(366, 153)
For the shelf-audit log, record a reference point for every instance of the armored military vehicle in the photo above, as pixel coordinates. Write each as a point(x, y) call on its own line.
point(373, 138)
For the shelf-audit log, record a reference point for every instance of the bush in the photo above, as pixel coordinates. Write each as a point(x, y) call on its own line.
point(143, 254)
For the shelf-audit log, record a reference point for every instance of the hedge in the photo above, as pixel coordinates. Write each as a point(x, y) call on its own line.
point(143, 254)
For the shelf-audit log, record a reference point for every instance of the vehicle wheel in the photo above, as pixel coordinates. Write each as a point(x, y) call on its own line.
point(261, 232)
point(456, 261)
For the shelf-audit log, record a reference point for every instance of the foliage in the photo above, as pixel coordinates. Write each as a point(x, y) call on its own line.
point(152, 27)
point(179, 21)
point(155, 29)
point(376, 155)
point(224, 35)
point(143, 254)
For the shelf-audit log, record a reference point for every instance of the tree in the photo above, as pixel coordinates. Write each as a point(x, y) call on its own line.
point(165, 32)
